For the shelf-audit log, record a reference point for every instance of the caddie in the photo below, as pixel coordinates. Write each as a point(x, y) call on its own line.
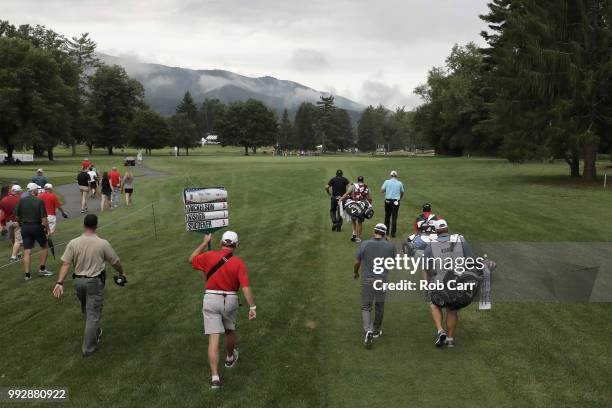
point(225, 274)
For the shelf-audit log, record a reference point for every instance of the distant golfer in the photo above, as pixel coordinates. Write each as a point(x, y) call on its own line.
point(425, 222)
point(443, 248)
point(338, 186)
point(40, 179)
point(377, 247)
point(89, 254)
point(225, 274)
point(359, 192)
point(52, 204)
point(394, 192)
point(83, 182)
point(31, 215)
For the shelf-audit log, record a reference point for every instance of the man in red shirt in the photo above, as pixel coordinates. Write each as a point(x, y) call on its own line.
point(7, 205)
point(225, 274)
point(52, 203)
point(114, 177)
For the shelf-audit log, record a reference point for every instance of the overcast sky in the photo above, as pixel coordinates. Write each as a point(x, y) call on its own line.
point(370, 51)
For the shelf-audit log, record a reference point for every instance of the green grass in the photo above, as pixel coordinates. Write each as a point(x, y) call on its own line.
point(305, 348)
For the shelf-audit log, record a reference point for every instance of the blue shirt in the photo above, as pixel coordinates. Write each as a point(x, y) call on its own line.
point(393, 189)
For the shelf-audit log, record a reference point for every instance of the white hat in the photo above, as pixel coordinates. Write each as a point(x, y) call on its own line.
point(393, 173)
point(380, 227)
point(32, 187)
point(440, 224)
point(16, 188)
point(229, 237)
point(39, 171)
point(48, 186)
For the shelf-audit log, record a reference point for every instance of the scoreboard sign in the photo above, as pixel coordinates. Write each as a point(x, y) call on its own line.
point(205, 209)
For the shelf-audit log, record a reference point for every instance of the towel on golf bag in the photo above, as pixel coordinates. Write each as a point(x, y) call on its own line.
point(417, 243)
point(358, 209)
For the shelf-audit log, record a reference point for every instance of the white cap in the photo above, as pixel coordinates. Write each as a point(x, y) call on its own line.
point(393, 173)
point(229, 237)
point(39, 171)
point(380, 227)
point(440, 224)
point(16, 188)
point(48, 186)
point(32, 187)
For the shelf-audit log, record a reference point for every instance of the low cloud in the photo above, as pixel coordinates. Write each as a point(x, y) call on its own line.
point(309, 60)
point(390, 96)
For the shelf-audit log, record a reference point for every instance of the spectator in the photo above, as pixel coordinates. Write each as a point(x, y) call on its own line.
point(115, 181)
point(39, 179)
point(128, 186)
point(83, 182)
point(7, 207)
point(106, 192)
point(52, 203)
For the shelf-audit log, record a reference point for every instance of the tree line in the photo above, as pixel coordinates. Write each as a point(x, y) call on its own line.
point(539, 89)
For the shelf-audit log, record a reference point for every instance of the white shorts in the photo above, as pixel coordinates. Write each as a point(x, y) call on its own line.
point(219, 313)
point(52, 222)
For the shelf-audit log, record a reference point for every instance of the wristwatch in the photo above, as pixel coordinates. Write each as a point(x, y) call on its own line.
point(253, 307)
point(59, 283)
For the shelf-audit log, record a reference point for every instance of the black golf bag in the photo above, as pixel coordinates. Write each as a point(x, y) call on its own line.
point(358, 209)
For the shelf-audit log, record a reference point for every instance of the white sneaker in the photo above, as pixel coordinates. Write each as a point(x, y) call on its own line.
point(45, 273)
point(357, 239)
point(230, 362)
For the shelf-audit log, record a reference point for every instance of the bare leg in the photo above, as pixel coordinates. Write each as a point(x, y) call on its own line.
point(230, 342)
point(102, 201)
point(359, 228)
point(16, 246)
point(26, 260)
point(436, 315)
point(354, 225)
point(452, 318)
point(213, 353)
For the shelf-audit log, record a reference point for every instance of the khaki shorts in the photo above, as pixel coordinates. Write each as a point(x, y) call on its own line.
point(219, 313)
point(52, 222)
point(14, 231)
point(84, 189)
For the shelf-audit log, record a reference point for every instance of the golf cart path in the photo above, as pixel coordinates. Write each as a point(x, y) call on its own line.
point(71, 196)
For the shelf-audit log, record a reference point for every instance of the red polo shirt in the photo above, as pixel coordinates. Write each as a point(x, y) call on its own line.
point(115, 178)
point(230, 277)
point(51, 202)
point(7, 205)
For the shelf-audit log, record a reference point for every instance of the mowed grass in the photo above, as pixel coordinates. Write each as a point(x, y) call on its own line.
point(305, 349)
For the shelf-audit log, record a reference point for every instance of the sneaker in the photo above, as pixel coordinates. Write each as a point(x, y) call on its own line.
point(367, 342)
point(99, 335)
point(357, 239)
point(449, 342)
point(45, 272)
point(339, 228)
point(353, 237)
point(82, 211)
point(440, 338)
point(230, 362)
point(27, 277)
point(376, 333)
point(333, 228)
point(13, 259)
point(214, 384)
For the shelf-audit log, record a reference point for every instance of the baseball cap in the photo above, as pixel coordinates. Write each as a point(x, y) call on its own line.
point(32, 186)
point(229, 237)
point(380, 227)
point(339, 173)
point(393, 173)
point(360, 178)
point(16, 188)
point(440, 224)
point(48, 185)
point(39, 170)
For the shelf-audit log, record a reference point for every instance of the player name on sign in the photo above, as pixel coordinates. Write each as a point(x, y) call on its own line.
point(206, 224)
point(210, 215)
point(195, 208)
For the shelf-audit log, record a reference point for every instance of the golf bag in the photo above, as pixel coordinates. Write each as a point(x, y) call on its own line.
point(426, 224)
point(416, 243)
point(358, 209)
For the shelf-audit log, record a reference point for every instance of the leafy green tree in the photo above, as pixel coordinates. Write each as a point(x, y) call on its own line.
point(285, 132)
point(326, 129)
point(115, 99)
point(249, 124)
point(342, 138)
point(148, 130)
point(210, 113)
point(304, 127)
point(188, 107)
point(370, 128)
point(183, 132)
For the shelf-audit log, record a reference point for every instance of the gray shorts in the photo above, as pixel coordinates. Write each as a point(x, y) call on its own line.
point(219, 313)
point(14, 231)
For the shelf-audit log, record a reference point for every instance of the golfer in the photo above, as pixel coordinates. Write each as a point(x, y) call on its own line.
point(83, 182)
point(443, 248)
point(377, 247)
point(40, 179)
point(89, 254)
point(394, 192)
point(31, 215)
point(338, 186)
point(425, 222)
point(359, 192)
point(52, 204)
point(225, 274)
point(7, 206)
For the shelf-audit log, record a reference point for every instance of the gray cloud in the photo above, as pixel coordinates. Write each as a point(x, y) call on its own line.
point(320, 43)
